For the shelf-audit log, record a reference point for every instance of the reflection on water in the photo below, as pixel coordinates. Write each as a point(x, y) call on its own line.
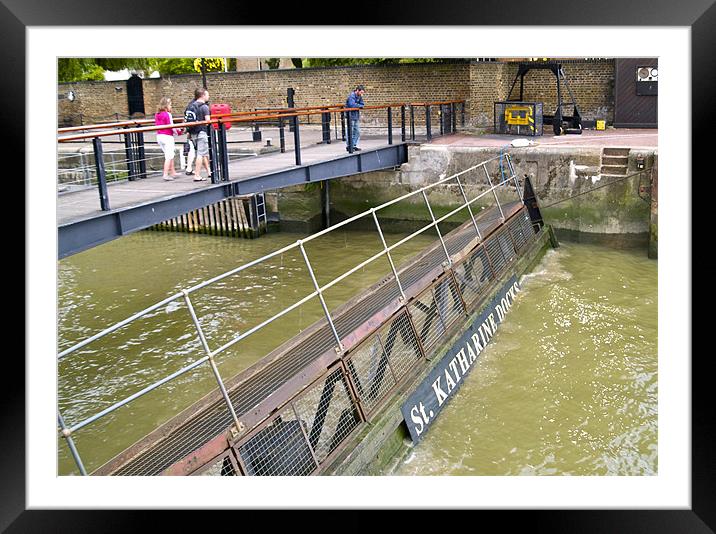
point(569, 384)
point(102, 286)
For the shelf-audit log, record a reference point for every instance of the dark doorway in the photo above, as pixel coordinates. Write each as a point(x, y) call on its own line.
point(635, 92)
point(135, 95)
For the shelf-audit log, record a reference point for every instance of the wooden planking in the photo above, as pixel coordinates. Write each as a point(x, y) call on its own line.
point(230, 217)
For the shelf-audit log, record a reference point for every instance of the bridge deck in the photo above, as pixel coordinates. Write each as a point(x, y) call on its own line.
point(78, 205)
point(206, 420)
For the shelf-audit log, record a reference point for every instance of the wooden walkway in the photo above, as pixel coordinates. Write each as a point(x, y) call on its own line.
point(79, 205)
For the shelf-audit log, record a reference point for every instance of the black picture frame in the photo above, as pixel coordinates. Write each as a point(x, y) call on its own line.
point(700, 16)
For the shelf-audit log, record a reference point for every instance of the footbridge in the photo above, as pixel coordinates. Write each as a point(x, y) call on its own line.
point(295, 410)
point(107, 188)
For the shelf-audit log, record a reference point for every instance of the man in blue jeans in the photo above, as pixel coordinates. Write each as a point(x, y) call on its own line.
point(354, 100)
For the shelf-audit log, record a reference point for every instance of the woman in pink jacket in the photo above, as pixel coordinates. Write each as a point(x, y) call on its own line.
point(165, 137)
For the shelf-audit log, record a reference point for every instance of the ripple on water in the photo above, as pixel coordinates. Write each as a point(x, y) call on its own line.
point(568, 386)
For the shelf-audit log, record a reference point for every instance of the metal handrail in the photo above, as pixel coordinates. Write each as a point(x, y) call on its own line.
point(238, 116)
point(210, 354)
point(289, 247)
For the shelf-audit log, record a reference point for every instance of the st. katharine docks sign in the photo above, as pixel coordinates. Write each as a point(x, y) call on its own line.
point(429, 398)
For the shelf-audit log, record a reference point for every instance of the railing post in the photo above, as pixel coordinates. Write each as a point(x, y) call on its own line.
point(224, 151)
point(70, 443)
point(489, 180)
point(210, 355)
point(453, 119)
point(441, 117)
point(412, 122)
point(282, 135)
point(129, 153)
point(101, 176)
point(469, 208)
point(343, 125)
point(437, 228)
point(390, 257)
point(213, 155)
point(514, 175)
point(427, 122)
point(296, 140)
point(402, 123)
point(326, 127)
point(390, 125)
point(320, 295)
point(142, 159)
point(350, 132)
point(463, 114)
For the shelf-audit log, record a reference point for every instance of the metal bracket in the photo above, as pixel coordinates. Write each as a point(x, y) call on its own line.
point(235, 433)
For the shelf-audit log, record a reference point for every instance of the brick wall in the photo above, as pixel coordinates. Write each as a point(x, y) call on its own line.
point(480, 84)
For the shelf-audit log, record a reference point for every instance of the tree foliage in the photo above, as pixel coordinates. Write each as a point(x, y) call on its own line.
point(211, 64)
point(347, 61)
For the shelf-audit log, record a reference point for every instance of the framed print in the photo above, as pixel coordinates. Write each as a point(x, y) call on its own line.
point(39, 495)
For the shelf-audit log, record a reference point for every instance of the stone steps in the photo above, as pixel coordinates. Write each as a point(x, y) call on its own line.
point(615, 161)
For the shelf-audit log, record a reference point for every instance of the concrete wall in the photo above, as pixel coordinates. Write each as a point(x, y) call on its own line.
point(479, 83)
point(614, 213)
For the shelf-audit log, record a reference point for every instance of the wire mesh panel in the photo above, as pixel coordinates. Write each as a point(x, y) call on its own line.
point(280, 448)
point(435, 311)
point(380, 363)
point(329, 413)
point(518, 118)
point(400, 345)
point(448, 301)
point(222, 467)
point(370, 373)
point(472, 275)
point(521, 230)
point(496, 255)
point(506, 245)
point(428, 324)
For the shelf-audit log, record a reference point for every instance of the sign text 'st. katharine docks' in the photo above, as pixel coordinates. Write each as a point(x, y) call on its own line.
point(428, 399)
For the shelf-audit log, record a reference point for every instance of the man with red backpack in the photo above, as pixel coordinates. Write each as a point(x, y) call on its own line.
point(196, 111)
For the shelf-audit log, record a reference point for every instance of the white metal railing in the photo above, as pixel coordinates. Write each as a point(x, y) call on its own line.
point(67, 431)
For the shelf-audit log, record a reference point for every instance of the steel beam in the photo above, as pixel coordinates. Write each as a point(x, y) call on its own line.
point(82, 234)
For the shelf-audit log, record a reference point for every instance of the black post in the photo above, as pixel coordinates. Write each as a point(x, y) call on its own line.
point(463, 113)
point(296, 140)
point(441, 110)
point(224, 151)
point(343, 125)
point(281, 135)
point(325, 204)
point(128, 152)
point(203, 73)
point(142, 158)
point(390, 126)
point(350, 133)
point(402, 123)
point(427, 122)
point(326, 127)
point(256, 133)
point(213, 156)
point(453, 124)
point(412, 122)
point(101, 176)
point(290, 103)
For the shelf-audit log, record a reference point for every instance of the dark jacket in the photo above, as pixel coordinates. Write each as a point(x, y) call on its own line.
point(354, 101)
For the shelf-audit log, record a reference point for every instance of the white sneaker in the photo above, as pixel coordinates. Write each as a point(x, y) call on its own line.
point(199, 178)
point(168, 178)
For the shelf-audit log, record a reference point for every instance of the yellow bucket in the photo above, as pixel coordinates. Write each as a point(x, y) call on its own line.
point(601, 125)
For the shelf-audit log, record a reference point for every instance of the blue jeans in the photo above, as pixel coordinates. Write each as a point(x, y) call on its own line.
point(354, 125)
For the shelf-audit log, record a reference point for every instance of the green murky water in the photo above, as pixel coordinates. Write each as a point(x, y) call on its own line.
point(569, 384)
point(102, 286)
